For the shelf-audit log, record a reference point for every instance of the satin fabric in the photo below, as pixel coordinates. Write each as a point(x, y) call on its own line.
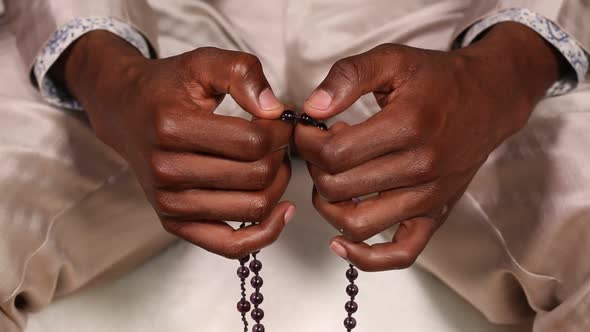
point(72, 214)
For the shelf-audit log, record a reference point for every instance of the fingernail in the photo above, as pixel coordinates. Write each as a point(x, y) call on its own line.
point(338, 249)
point(268, 101)
point(320, 100)
point(290, 214)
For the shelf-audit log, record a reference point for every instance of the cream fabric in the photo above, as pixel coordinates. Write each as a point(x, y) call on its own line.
point(72, 213)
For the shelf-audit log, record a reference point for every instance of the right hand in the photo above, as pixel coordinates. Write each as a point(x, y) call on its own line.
point(197, 168)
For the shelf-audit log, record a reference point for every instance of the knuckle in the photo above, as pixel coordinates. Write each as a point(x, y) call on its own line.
point(389, 50)
point(234, 250)
point(164, 128)
point(199, 56)
point(256, 145)
point(259, 209)
point(166, 204)
point(434, 190)
point(417, 124)
point(262, 174)
point(174, 228)
point(207, 51)
point(161, 171)
point(355, 227)
point(423, 124)
point(427, 165)
point(332, 155)
point(169, 228)
point(347, 70)
point(328, 186)
point(387, 47)
point(365, 267)
point(407, 258)
point(246, 64)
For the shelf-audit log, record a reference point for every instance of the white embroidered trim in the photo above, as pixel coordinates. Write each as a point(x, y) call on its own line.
point(567, 45)
point(63, 38)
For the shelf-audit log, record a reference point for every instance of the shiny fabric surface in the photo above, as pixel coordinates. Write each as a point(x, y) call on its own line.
point(71, 213)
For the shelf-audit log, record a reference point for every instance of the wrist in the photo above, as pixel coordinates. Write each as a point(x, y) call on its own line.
point(518, 63)
point(95, 64)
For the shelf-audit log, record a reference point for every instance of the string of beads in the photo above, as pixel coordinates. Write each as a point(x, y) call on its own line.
point(255, 265)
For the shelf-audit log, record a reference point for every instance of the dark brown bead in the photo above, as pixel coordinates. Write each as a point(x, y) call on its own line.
point(258, 328)
point(255, 266)
point(352, 290)
point(256, 282)
point(349, 323)
point(256, 298)
point(306, 120)
point(288, 116)
point(351, 307)
point(257, 314)
point(322, 126)
point(20, 302)
point(243, 272)
point(244, 259)
point(352, 274)
point(243, 306)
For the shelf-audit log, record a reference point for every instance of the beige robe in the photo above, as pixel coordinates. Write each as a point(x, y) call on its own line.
point(71, 212)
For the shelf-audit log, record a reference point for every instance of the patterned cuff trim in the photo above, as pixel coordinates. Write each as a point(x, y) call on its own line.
point(63, 38)
point(570, 49)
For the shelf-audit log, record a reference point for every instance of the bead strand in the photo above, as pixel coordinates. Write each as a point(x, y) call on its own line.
point(256, 297)
point(352, 290)
point(352, 273)
point(304, 119)
point(243, 273)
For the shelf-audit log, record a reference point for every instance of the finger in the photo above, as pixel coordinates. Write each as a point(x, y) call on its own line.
point(388, 131)
point(222, 239)
point(338, 126)
point(179, 171)
point(238, 74)
point(244, 206)
point(361, 221)
point(402, 169)
point(225, 136)
point(410, 240)
point(352, 77)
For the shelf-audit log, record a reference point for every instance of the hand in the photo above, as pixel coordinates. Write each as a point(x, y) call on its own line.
point(442, 113)
point(197, 168)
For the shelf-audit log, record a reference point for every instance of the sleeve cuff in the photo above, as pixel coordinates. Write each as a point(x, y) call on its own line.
point(561, 40)
point(63, 38)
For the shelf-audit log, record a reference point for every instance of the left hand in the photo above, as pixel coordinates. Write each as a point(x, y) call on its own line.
point(442, 114)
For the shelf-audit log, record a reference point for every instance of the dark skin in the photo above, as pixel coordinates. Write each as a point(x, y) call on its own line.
point(442, 114)
point(196, 168)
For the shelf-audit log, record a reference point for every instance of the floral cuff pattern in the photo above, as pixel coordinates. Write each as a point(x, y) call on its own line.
point(63, 38)
point(564, 43)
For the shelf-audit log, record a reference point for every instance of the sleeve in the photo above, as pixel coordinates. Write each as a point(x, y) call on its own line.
point(37, 20)
point(64, 37)
point(570, 16)
point(553, 34)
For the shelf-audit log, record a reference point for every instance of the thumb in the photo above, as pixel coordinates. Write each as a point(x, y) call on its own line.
point(348, 80)
point(240, 75)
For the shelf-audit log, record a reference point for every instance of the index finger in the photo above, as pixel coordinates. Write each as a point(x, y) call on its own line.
point(334, 152)
point(225, 136)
